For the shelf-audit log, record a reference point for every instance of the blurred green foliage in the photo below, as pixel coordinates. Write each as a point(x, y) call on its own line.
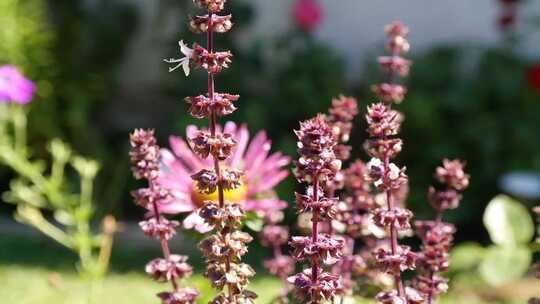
point(472, 103)
point(72, 50)
point(40, 188)
point(464, 102)
point(508, 259)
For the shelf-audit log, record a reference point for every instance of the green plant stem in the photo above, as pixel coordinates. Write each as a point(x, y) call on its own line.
point(26, 169)
point(86, 192)
point(19, 128)
point(34, 218)
point(57, 171)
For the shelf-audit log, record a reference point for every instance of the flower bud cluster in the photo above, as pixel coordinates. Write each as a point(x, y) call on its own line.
point(224, 248)
point(390, 92)
point(219, 145)
point(436, 235)
point(384, 124)
point(386, 176)
point(145, 160)
point(341, 115)
point(220, 24)
point(208, 181)
point(412, 296)
point(353, 210)
point(144, 154)
point(317, 167)
point(202, 106)
point(351, 221)
point(316, 147)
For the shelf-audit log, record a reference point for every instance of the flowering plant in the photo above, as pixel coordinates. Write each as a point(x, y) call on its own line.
point(216, 175)
point(35, 191)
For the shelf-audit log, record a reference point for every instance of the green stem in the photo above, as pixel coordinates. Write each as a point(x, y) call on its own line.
point(19, 126)
point(34, 218)
point(86, 192)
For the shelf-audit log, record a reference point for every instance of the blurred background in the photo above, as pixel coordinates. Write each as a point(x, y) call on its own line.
point(474, 94)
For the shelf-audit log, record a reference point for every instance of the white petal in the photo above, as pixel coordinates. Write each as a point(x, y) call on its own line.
point(185, 66)
point(185, 49)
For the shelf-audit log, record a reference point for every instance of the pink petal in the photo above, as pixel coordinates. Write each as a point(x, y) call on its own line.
point(191, 130)
point(194, 221)
point(178, 205)
point(184, 153)
point(242, 138)
point(267, 182)
point(256, 147)
point(230, 127)
point(259, 159)
point(264, 205)
point(271, 164)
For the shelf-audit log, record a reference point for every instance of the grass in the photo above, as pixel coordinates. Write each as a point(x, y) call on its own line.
point(38, 271)
point(32, 285)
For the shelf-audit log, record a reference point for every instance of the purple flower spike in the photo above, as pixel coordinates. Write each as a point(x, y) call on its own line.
point(14, 87)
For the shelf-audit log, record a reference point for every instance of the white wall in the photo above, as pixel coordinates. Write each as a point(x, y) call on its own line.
point(353, 27)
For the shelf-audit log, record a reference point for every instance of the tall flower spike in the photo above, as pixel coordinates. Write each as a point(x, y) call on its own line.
point(387, 177)
point(224, 249)
point(145, 158)
point(317, 166)
point(436, 235)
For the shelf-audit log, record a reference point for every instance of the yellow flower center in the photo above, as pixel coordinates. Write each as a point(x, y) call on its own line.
point(237, 195)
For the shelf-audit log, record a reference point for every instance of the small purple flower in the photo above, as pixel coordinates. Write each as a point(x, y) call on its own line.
point(170, 269)
point(144, 154)
point(14, 87)
point(326, 248)
point(274, 235)
point(325, 286)
point(280, 266)
point(162, 229)
point(394, 263)
point(181, 296)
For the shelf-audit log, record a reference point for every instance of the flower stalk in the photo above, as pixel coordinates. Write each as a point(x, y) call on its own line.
point(436, 235)
point(383, 125)
point(145, 158)
point(223, 249)
point(316, 167)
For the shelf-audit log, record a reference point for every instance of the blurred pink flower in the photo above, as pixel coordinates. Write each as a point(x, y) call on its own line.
point(307, 14)
point(533, 77)
point(262, 173)
point(14, 87)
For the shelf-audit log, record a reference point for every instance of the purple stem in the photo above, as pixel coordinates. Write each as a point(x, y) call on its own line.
point(389, 196)
point(213, 123)
point(314, 237)
point(164, 244)
point(438, 220)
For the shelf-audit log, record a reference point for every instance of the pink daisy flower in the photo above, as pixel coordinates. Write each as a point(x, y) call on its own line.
point(262, 173)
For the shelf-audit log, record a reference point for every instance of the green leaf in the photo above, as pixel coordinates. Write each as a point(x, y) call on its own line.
point(503, 264)
point(466, 256)
point(508, 222)
point(255, 224)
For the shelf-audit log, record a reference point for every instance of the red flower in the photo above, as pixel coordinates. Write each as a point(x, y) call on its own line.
point(533, 77)
point(307, 14)
point(506, 21)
